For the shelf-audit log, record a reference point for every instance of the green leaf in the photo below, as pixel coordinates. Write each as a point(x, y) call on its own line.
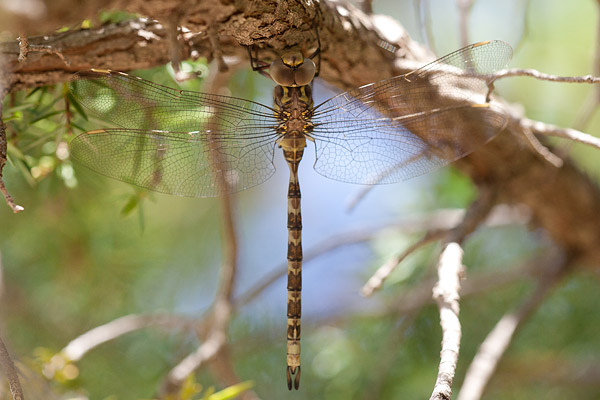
point(45, 116)
point(78, 127)
point(131, 204)
point(232, 391)
point(76, 105)
point(115, 16)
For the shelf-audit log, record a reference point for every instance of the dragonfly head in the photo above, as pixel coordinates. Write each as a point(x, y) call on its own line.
point(292, 69)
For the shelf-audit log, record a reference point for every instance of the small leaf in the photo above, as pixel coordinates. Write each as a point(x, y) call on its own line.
point(232, 391)
point(76, 105)
point(133, 202)
point(45, 116)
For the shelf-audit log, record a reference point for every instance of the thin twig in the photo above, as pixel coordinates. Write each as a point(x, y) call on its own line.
point(8, 366)
point(418, 296)
point(541, 128)
point(495, 344)
point(3, 157)
point(540, 149)
point(445, 292)
point(475, 215)
point(505, 73)
point(217, 52)
point(376, 280)
point(174, 44)
point(25, 48)
point(81, 345)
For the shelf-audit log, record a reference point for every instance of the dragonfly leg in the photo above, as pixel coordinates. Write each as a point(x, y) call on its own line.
point(317, 51)
point(256, 64)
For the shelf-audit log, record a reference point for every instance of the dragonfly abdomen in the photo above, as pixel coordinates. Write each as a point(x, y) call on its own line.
point(294, 257)
point(294, 105)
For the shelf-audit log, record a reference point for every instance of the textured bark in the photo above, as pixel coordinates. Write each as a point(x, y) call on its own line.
point(563, 200)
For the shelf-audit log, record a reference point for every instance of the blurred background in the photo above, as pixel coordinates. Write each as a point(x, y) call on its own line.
point(88, 250)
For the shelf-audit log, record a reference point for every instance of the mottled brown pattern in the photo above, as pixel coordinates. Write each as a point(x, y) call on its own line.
point(292, 104)
point(294, 221)
point(294, 307)
point(294, 280)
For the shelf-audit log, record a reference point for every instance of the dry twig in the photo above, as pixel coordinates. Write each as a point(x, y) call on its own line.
point(445, 292)
point(541, 128)
point(476, 214)
point(3, 147)
point(81, 345)
point(10, 370)
point(376, 280)
point(540, 149)
point(25, 48)
point(505, 73)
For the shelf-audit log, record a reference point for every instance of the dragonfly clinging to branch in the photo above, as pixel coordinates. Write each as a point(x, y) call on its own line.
point(383, 132)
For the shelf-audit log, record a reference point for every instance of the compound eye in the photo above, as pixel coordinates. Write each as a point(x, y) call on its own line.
point(281, 73)
point(305, 73)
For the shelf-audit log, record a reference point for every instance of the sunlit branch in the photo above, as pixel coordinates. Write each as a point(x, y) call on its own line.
point(476, 214)
point(8, 367)
point(505, 73)
point(541, 128)
point(376, 281)
point(81, 345)
point(495, 344)
point(445, 292)
point(540, 149)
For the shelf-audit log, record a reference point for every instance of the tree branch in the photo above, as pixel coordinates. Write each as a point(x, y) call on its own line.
point(11, 373)
point(445, 292)
point(81, 345)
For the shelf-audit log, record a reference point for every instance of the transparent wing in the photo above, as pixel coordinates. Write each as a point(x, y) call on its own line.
point(173, 141)
point(175, 162)
point(408, 125)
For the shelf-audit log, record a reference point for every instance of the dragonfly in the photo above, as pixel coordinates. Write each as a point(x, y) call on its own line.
point(184, 142)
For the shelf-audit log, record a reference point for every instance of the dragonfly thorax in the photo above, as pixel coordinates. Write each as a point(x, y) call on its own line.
point(294, 112)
